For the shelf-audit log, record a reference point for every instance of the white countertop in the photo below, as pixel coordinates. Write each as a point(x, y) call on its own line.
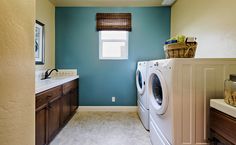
point(220, 105)
point(43, 85)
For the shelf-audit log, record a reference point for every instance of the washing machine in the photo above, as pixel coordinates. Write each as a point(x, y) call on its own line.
point(142, 99)
point(179, 91)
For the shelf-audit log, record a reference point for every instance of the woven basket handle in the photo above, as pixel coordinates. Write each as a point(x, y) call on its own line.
point(189, 47)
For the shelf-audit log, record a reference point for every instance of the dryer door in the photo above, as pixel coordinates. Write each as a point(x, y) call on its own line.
point(158, 92)
point(140, 82)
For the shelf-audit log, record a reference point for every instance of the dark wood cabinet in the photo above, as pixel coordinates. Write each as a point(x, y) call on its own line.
point(69, 100)
point(222, 128)
point(54, 107)
point(53, 118)
point(65, 108)
point(41, 126)
point(74, 100)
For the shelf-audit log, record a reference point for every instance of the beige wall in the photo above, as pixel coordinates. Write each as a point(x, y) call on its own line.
point(213, 22)
point(45, 13)
point(17, 100)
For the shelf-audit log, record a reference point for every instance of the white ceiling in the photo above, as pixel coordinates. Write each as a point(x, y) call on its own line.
point(105, 3)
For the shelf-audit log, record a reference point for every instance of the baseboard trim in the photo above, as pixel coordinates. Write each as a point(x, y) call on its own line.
point(109, 108)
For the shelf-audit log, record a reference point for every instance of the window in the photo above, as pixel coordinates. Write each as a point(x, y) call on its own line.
point(113, 35)
point(113, 45)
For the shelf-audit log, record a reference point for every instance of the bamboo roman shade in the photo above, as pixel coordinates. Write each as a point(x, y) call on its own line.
point(114, 21)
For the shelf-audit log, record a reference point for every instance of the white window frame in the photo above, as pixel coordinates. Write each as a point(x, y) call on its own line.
point(113, 40)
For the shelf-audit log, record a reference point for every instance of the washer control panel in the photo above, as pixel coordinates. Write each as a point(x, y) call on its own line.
point(156, 64)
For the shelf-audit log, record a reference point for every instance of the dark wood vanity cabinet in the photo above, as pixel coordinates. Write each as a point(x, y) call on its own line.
point(65, 109)
point(69, 100)
point(54, 110)
point(222, 128)
point(74, 100)
point(40, 126)
point(70, 89)
point(53, 118)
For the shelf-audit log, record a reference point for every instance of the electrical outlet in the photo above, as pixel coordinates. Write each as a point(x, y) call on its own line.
point(113, 99)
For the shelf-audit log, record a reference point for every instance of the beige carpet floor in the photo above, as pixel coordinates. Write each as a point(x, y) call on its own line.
point(103, 128)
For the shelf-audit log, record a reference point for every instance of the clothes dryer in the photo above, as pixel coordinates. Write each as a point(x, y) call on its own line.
point(179, 91)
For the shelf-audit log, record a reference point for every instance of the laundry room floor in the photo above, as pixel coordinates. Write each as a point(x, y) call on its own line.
point(103, 128)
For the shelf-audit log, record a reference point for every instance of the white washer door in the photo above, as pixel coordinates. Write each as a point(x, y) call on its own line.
point(158, 92)
point(140, 82)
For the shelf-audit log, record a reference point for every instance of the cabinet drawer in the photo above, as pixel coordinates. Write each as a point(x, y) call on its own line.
point(44, 97)
point(223, 124)
point(67, 87)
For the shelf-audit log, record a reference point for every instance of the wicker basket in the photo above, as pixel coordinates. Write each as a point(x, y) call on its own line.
point(180, 50)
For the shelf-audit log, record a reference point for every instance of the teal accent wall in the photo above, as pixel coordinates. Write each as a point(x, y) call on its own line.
point(77, 47)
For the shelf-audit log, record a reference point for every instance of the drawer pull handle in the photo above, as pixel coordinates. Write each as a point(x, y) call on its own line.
point(49, 96)
point(49, 106)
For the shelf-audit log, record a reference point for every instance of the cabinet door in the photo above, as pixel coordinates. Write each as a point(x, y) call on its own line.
point(41, 126)
point(65, 108)
point(223, 126)
point(74, 100)
point(53, 118)
point(217, 139)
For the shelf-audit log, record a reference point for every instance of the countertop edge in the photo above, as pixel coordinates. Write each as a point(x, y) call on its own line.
point(220, 105)
point(54, 84)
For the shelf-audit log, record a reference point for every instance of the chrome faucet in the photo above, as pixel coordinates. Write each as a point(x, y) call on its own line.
point(48, 73)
